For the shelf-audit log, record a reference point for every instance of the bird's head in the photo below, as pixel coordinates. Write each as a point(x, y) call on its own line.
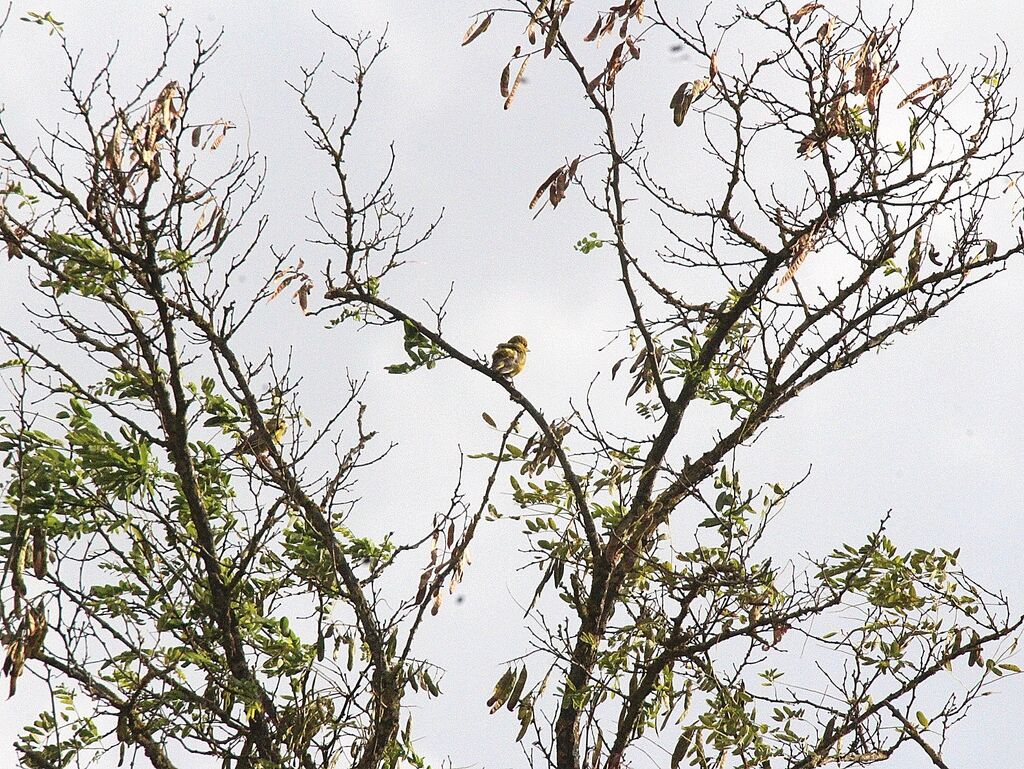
point(519, 342)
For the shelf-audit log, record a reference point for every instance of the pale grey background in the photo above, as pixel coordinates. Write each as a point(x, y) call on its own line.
point(931, 428)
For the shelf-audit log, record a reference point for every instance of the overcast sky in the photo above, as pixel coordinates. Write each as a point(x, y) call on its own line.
point(931, 428)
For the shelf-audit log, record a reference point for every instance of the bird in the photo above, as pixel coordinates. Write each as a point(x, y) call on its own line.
point(510, 357)
point(255, 442)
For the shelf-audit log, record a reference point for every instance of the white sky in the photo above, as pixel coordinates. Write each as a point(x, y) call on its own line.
point(931, 428)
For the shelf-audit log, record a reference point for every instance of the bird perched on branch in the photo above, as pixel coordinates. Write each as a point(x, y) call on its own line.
point(510, 357)
point(256, 443)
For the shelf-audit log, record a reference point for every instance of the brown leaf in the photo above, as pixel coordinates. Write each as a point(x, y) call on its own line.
point(609, 25)
point(684, 96)
point(571, 173)
point(505, 75)
point(804, 10)
point(614, 65)
point(303, 296)
point(681, 748)
point(281, 286)
point(801, 250)
point(475, 31)
point(809, 145)
point(556, 193)
point(938, 85)
point(592, 35)
point(825, 31)
point(713, 65)
point(39, 551)
point(552, 36)
point(632, 48)
point(531, 28)
point(778, 631)
point(112, 154)
point(875, 92)
point(515, 83)
point(862, 73)
point(543, 188)
point(197, 134)
point(517, 691)
point(914, 260)
point(421, 591)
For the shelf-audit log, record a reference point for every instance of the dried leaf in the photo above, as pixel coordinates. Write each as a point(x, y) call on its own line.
point(571, 172)
point(556, 192)
point(517, 691)
point(868, 63)
point(505, 75)
point(303, 296)
point(421, 591)
point(914, 260)
point(552, 36)
point(475, 31)
point(515, 83)
point(543, 188)
point(216, 142)
point(531, 28)
point(713, 65)
point(281, 287)
point(609, 25)
point(112, 154)
point(825, 31)
point(633, 49)
point(938, 85)
point(501, 691)
point(681, 748)
point(804, 10)
point(614, 65)
point(684, 96)
point(197, 134)
point(39, 551)
point(801, 250)
point(218, 227)
point(592, 35)
point(778, 631)
point(809, 145)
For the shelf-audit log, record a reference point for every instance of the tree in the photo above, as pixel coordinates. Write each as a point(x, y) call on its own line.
point(185, 577)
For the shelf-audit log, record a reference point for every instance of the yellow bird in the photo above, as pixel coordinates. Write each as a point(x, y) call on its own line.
point(256, 444)
point(510, 357)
